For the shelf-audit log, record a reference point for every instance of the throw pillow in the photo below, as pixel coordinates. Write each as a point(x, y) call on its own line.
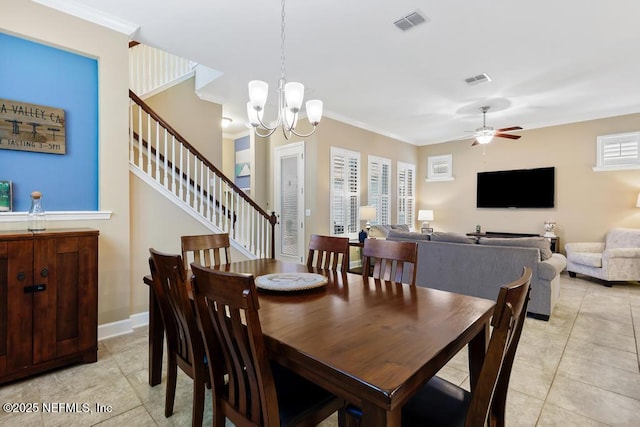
point(522, 242)
point(399, 234)
point(448, 237)
point(401, 227)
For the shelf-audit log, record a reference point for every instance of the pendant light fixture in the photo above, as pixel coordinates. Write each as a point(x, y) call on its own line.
point(290, 97)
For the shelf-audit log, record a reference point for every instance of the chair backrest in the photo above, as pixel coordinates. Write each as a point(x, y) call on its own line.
point(490, 395)
point(172, 292)
point(328, 252)
point(390, 260)
point(623, 238)
point(223, 300)
point(206, 249)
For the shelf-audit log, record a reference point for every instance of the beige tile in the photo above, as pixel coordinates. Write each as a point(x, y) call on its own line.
point(595, 403)
point(554, 416)
point(453, 375)
point(605, 326)
point(597, 374)
point(530, 380)
point(522, 410)
point(605, 355)
point(138, 417)
point(613, 340)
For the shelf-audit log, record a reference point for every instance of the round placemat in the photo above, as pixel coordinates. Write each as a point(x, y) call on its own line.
point(290, 281)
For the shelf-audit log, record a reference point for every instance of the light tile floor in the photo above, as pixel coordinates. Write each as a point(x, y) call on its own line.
point(578, 369)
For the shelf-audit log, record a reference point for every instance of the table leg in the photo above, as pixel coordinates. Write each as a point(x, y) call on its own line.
point(477, 351)
point(375, 416)
point(156, 340)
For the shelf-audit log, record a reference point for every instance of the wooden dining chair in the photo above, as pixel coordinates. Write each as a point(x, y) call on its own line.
point(390, 260)
point(206, 249)
point(185, 348)
point(441, 403)
point(327, 252)
point(258, 393)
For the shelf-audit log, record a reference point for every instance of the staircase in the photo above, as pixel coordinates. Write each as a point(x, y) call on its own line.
point(160, 156)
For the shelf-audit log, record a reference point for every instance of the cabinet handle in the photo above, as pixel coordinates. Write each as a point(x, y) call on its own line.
point(21, 276)
point(35, 288)
point(44, 272)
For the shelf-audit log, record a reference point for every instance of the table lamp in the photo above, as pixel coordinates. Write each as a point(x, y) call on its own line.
point(368, 213)
point(425, 216)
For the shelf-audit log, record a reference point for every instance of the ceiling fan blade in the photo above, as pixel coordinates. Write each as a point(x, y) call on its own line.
point(508, 129)
point(475, 142)
point(506, 135)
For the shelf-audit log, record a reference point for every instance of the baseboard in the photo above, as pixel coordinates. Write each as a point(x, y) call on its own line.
point(123, 327)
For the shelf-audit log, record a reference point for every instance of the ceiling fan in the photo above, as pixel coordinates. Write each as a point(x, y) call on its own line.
point(485, 134)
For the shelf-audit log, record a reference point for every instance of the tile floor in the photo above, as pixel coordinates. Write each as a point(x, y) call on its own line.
point(578, 369)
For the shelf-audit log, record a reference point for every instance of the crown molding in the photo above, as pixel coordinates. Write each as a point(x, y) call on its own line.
point(79, 10)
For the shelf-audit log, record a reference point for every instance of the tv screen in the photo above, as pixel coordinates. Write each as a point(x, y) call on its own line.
point(522, 188)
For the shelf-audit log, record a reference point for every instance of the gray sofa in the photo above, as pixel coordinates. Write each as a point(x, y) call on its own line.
point(457, 263)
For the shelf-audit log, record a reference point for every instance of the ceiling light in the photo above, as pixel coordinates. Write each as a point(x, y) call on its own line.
point(290, 96)
point(485, 134)
point(226, 121)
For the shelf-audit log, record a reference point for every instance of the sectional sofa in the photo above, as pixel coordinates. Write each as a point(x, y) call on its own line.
point(478, 267)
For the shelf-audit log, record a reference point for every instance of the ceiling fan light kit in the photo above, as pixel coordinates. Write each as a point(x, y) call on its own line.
point(484, 135)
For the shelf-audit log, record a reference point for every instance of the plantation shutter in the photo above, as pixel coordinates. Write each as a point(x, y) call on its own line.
point(380, 188)
point(619, 150)
point(406, 194)
point(345, 192)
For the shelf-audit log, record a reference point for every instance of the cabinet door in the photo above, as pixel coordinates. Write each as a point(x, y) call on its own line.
point(65, 312)
point(16, 267)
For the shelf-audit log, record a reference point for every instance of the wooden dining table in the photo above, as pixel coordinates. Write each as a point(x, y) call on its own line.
point(371, 342)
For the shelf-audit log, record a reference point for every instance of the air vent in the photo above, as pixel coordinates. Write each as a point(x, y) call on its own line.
point(480, 78)
point(411, 20)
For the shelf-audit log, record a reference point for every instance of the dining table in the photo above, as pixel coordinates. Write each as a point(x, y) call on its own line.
point(371, 342)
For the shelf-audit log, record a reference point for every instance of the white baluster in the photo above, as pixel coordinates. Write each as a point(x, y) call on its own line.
point(157, 151)
point(131, 157)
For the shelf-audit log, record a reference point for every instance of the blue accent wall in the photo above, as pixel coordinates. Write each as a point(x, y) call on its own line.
point(38, 74)
point(243, 143)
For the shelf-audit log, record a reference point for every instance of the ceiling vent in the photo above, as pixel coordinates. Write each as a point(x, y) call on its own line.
point(411, 20)
point(480, 78)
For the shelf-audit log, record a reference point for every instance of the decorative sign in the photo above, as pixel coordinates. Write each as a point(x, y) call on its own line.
point(30, 127)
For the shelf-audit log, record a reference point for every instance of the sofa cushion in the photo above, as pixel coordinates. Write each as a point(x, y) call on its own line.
point(399, 234)
point(590, 259)
point(522, 242)
point(400, 227)
point(443, 236)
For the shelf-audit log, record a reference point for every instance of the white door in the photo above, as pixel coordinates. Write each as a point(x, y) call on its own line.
point(289, 201)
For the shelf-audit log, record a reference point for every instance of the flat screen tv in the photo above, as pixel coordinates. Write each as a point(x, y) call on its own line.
point(521, 188)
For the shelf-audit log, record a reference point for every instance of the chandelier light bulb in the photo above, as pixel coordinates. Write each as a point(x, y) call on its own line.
point(314, 111)
point(255, 116)
point(258, 91)
point(294, 93)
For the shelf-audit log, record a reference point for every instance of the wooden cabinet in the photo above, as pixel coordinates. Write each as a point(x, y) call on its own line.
point(48, 300)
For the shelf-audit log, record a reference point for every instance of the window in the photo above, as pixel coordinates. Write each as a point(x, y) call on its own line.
point(380, 188)
point(345, 192)
point(406, 194)
point(619, 151)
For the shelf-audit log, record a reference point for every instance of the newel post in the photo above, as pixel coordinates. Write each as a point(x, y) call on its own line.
point(273, 220)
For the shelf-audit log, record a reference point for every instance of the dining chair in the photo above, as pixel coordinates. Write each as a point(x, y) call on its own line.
point(441, 403)
point(390, 260)
point(185, 348)
point(206, 249)
point(327, 252)
point(258, 392)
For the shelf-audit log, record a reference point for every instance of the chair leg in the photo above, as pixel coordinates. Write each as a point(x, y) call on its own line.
point(198, 399)
point(172, 374)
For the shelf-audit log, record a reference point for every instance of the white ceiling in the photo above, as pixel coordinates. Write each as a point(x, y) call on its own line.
point(550, 61)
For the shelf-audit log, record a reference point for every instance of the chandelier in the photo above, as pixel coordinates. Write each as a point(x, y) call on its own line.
point(290, 97)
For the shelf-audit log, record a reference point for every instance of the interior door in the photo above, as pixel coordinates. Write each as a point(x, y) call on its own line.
point(289, 201)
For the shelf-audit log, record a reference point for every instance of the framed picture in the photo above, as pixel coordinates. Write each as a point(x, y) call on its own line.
point(6, 196)
point(439, 168)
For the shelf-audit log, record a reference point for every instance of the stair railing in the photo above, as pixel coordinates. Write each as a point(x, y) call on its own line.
point(162, 154)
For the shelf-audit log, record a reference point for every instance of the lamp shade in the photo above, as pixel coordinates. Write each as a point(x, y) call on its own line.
point(258, 91)
point(425, 215)
point(293, 93)
point(367, 213)
point(314, 111)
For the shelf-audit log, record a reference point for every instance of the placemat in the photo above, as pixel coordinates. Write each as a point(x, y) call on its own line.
point(290, 281)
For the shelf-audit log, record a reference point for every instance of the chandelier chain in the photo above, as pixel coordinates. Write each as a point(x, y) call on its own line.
point(282, 43)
